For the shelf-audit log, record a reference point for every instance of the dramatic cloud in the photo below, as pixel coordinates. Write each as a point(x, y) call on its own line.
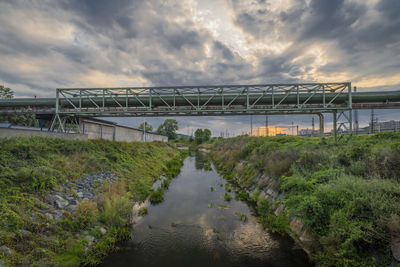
point(46, 44)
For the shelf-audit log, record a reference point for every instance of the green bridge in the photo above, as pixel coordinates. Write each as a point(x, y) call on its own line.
point(71, 104)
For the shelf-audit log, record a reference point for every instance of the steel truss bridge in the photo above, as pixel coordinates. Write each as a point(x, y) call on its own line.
point(71, 104)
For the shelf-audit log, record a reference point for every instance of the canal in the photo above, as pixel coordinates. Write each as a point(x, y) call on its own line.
point(195, 226)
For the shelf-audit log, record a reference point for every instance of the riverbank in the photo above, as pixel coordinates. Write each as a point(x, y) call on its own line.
point(339, 202)
point(67, 202)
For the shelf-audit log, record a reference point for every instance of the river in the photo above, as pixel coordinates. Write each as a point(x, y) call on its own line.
point(195, 226)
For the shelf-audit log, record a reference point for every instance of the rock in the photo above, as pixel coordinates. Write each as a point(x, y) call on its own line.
point(5, 250)
point(302, 236)
point(60, 204)
point(279, 210)
point(58, 214)
point(70, 208)
point(103, 231)
point(49, 215)
point(272, 193)
point(90, 240)
point(25, 233)
point(395, 246)
point(80, 194)
point(73, 202)
point(2, 264)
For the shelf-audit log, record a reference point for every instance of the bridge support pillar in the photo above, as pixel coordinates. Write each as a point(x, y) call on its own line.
point(335, 125)
point(342, 124)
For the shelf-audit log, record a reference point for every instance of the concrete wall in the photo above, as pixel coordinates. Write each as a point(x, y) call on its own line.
point(109, 131)
point(9, 132)
point(155, 137)
point(125, 134)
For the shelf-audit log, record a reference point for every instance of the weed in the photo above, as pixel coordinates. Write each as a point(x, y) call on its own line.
point(142, 211)
point(227, 197)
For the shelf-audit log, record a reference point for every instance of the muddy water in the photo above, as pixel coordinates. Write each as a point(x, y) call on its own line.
point(194, 226)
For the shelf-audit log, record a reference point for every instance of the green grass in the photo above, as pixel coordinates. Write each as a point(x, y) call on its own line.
point(29, 167)
point(346, 194)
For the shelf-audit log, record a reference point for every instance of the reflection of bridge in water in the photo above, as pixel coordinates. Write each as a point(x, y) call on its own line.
point(71, 104)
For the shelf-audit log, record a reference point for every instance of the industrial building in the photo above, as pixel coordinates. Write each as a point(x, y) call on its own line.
point(95, 128)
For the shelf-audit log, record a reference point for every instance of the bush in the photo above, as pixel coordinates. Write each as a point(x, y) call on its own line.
point(227, 197)
point(157, 196)
point(117, 211)
point(86, 214)
point(106, 245)
point(142, 212)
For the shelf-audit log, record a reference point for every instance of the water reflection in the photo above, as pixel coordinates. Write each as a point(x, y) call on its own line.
point(194, 226)
point(202, 161)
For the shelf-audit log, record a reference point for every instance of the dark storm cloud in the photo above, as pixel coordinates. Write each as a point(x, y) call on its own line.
point(225, 51)
point(330, 18)
point(362, 39)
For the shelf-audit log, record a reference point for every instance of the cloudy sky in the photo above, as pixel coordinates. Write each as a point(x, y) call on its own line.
point(45, 44)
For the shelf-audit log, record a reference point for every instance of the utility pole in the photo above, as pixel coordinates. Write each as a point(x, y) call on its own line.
point(355, 116)
point(266, 125)
point(377, 126)
point(144, 130)
point(371, 126)
point(313, 127)
point(292, 129)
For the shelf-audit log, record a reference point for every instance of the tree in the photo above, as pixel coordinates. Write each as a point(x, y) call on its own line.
point(206, 135)
point(146, 126)
point(6, 93)
point(198, 136)
point(168, 128)
point(25, 120)
point(201, 136)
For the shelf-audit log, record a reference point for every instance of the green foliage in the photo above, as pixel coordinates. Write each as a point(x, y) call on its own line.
point(201, 136)
point(6, 92)
point(344, 193)
point(29, 167)
point(86, 214)
point(168, 128)
point(241, 195)
point(142, 211)
point(242, 217)
point(25, 120)
point(227, 197)
point(106, 245)
point(146, 126)
point(116, 211)
point(157, 196)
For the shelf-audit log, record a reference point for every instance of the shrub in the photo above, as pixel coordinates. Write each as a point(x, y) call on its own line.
point(86, 214)
point(157, 196)
point(106, 245)
point(117, 211)
point(142, 211)
point(227, 197)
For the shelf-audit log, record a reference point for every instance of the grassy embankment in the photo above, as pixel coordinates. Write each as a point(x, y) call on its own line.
point(29, 167)
point(347, 195)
